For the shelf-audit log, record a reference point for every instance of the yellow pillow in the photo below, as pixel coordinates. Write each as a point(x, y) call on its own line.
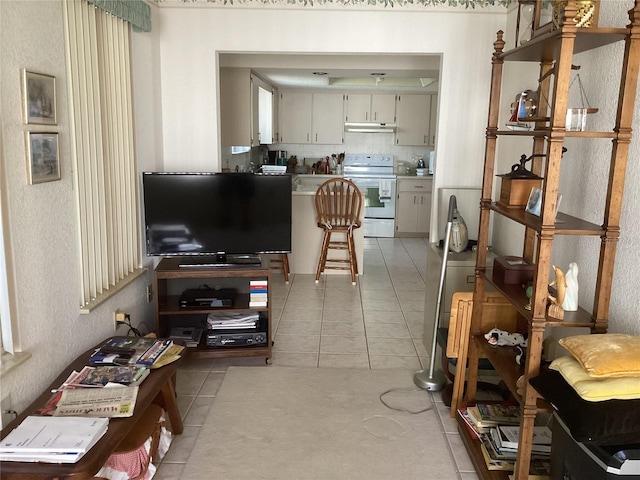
point(596, 389)
point(606, 355)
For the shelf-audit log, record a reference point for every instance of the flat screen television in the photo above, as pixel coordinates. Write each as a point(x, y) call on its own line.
point(227, 216)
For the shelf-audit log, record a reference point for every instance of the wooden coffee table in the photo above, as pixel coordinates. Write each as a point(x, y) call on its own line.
point(158, 388)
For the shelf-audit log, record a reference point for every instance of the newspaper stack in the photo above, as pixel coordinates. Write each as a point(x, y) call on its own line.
point(227, 321)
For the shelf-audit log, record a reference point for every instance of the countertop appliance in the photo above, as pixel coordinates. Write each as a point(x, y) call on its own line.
point(373, 175)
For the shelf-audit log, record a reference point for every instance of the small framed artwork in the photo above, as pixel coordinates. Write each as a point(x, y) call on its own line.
point(39, 94)
point(534, 203)
point(43, 163)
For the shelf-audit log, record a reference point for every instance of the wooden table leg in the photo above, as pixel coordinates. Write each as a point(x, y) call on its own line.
point(171, 406)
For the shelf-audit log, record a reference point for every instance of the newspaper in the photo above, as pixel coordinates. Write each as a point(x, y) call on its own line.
point(97, 402)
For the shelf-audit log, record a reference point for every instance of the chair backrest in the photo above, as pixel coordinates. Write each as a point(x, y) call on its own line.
point(338, 203)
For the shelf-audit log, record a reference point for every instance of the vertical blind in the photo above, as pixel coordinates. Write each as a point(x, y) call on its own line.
point(101, 115)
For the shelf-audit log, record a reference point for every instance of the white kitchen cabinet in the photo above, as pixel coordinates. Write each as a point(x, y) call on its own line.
point(433, 119)
point(326, 120)
point(311, 117)
point(413, 208)
point(295, 117)
point(363, 107)
point(413, 114)
point(244, 115)
point(235, 107)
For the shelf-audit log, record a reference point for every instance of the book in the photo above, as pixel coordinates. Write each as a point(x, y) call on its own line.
point(125, 374)
point(52, 439)
point(509, 437)
point(154, 352)
point(130, 351)
point(494, 463)
point(474, 430)
point(97, 402)
point(498, 413)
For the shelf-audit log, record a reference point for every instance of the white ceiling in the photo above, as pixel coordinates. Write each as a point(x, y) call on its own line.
point(350, 72)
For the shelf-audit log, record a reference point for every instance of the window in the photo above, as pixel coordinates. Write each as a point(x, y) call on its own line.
point(101, 113)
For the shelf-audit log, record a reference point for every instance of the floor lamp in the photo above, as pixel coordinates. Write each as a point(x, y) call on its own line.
point(431, 380)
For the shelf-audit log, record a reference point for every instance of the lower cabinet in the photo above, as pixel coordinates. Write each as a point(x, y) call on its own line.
point(413, 208)
point(226, 291)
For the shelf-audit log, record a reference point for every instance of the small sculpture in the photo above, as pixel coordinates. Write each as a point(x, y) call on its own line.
point(570, 303)
point(560, 282)
point(498, 337)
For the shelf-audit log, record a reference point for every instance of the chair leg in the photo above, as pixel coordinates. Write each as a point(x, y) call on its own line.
point(285, 267)
point(353, 265)
point(323, 254)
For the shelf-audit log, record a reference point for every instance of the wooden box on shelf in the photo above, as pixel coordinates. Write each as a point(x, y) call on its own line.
point(514, 192)
point(512, 270)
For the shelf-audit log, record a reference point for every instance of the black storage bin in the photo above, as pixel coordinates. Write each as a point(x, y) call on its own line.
point(572, 460)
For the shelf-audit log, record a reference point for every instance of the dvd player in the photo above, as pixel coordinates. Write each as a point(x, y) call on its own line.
point(220, 339)
point(207, 297)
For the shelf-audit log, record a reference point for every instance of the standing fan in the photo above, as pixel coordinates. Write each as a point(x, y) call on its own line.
point(432, 380)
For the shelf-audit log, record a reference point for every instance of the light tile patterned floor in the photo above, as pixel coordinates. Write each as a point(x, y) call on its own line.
point(375, 324)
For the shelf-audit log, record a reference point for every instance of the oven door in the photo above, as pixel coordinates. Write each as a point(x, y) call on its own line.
point(379, 195)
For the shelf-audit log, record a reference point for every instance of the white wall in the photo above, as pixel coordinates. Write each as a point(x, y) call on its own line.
point(191, 38)
point(42, 218)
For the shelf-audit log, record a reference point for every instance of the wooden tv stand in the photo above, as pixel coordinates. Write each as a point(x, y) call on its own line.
point(171, 277)
point(158, 387)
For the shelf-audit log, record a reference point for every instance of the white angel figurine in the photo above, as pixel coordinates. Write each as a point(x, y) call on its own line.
point(570, 303)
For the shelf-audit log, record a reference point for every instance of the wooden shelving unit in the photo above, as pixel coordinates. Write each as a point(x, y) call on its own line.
point(170, 280)
point(554, 52)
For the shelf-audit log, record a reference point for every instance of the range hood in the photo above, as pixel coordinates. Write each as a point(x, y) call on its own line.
point(369, 127)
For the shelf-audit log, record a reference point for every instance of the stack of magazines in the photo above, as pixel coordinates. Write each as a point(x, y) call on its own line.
point(52, 439)
point(232, 321)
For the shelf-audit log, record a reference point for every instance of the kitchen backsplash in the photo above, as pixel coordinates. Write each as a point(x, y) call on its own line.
point(382, 143)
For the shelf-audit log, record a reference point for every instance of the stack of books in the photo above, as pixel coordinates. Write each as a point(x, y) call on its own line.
point(141, 351)
point(497, 428)
point(52, 439)
point(258, 293)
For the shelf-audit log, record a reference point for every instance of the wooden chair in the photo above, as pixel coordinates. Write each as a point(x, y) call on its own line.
point(497, 312)
point(338, 205)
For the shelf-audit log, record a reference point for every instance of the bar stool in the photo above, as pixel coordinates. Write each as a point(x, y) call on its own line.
point(338, 204)
point(282, 263)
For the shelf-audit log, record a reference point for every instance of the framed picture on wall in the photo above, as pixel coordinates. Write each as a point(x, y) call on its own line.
point(43, 163)
point(39, 96)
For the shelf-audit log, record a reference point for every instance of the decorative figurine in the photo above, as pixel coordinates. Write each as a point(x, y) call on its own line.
point(500, 338)
point(570, 303)
point(560, 282)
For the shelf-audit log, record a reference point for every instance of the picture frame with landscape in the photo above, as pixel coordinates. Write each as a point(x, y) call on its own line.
point(39, 98)
point(43, 163)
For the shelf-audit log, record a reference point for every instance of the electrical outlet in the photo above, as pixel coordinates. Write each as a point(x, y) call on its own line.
point(119, 318)
point(6, 412)
point(149, 293)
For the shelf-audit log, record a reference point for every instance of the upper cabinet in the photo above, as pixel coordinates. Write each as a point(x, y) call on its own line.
point(362, 107)
point(246, 105)
point(295, 117)
point(311, 117)
point(413, 115)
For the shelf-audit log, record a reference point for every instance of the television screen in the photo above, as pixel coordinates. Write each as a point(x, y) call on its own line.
point(216, 213)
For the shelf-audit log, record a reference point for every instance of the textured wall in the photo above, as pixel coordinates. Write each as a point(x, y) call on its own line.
point(42, 218)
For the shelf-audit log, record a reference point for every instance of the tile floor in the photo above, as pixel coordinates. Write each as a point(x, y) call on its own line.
point(375, 324)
